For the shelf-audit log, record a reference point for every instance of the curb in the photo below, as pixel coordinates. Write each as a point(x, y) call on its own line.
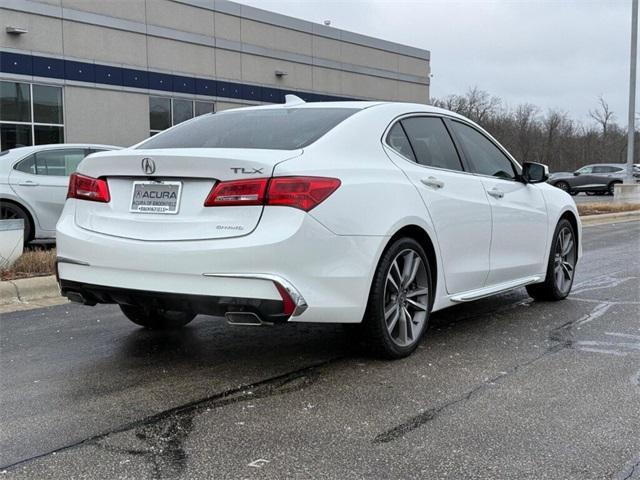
point(610, 218)
point(25, 290)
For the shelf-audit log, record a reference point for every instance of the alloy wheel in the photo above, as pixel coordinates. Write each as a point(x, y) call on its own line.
point(8, 213)
point(406, 298)
point(565, 259)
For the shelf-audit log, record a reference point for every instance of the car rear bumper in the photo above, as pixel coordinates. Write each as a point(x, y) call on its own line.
point(269, 311)
point(327, 276)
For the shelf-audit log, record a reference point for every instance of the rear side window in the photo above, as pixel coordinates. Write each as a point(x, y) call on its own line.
point(59, 162)
point(431, 143)
point(27, 165)
point(485, 157)
point(398, 140)
point(272, 129)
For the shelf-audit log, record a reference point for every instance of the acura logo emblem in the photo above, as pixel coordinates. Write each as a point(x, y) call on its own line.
point(148, 166)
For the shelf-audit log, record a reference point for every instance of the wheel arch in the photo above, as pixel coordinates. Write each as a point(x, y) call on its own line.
point(27, 210)
point(571, 218)
point(422, 237)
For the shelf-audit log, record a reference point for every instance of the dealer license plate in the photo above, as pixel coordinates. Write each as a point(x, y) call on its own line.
point(156, 197)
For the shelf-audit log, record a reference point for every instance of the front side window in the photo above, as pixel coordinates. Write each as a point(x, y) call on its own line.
point(30, 114)
point(164, 112)
point(585, 170)
point(269, 128)
point(485, 157)
point(431, 143)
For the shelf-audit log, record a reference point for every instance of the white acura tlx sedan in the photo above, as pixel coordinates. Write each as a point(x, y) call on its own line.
point(365, 213)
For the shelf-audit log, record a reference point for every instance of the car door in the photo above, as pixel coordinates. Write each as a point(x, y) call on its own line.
point(41, 180)
point(456, 202)
point(583, 178)
point(519, 231)
point(600, 177)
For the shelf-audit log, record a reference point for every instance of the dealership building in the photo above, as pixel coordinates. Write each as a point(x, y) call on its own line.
point(117, 71)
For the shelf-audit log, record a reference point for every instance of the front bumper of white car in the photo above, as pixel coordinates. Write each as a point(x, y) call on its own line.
point(289, 254)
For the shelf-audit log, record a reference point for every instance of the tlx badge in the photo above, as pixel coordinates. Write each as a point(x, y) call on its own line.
point(246, 171)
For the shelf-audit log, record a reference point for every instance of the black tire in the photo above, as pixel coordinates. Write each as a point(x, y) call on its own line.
point(611, 188)
point(156, 319)
point(12, 211)
point(564, 186)
point(549, 290)
point(378, 338)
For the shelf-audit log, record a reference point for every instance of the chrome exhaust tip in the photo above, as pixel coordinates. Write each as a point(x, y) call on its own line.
point(244, 319)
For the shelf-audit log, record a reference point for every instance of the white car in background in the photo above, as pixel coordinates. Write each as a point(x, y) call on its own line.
point(34, 181)
point(364, 213)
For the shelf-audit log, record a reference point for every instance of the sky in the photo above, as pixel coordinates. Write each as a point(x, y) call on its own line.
point(560, 54)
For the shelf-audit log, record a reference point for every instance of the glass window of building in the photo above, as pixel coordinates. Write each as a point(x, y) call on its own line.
point(30, 114)
point(164, 112)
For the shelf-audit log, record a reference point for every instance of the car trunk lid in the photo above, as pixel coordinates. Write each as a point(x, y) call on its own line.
point(159, 195)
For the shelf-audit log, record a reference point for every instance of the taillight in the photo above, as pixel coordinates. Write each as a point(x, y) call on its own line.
point(304, 193)
point(300, 192)
point(237, 192)
point(88, 188)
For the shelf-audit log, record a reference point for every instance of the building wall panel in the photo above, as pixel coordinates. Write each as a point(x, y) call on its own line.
point(180, 57)
point(181, 17)
point(127, 9)
point(104, 44)
point(45, 33)
point(102, 116)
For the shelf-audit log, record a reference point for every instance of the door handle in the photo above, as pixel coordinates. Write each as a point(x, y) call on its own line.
point(28, 183)
point(432, 182)
point(494, 192)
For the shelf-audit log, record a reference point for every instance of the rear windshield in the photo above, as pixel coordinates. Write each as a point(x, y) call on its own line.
point(272, 129)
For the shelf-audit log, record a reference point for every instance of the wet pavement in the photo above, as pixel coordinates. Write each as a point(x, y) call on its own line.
point(499, 388)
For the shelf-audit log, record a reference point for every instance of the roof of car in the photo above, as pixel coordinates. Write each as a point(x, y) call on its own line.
point(397, 108)
point(357, 104)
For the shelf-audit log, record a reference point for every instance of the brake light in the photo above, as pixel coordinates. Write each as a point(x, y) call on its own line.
point(237, 192)
point(88, 188)
point(304, 193)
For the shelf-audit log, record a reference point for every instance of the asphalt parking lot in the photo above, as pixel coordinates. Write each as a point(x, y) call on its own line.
point(499, 388)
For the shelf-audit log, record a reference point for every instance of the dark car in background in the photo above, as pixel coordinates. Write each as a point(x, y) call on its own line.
point(593, 179)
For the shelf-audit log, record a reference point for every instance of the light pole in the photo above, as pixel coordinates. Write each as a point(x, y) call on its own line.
point(632, 91)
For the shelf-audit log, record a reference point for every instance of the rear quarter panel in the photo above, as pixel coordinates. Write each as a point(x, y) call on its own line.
point(375, 197)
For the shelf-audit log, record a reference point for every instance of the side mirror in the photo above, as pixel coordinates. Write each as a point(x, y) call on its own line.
point(534, 172)
point(576, 173)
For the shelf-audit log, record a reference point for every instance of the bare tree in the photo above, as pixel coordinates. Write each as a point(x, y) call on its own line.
point(481, 105)
point(554, 138)
point(603, 115)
